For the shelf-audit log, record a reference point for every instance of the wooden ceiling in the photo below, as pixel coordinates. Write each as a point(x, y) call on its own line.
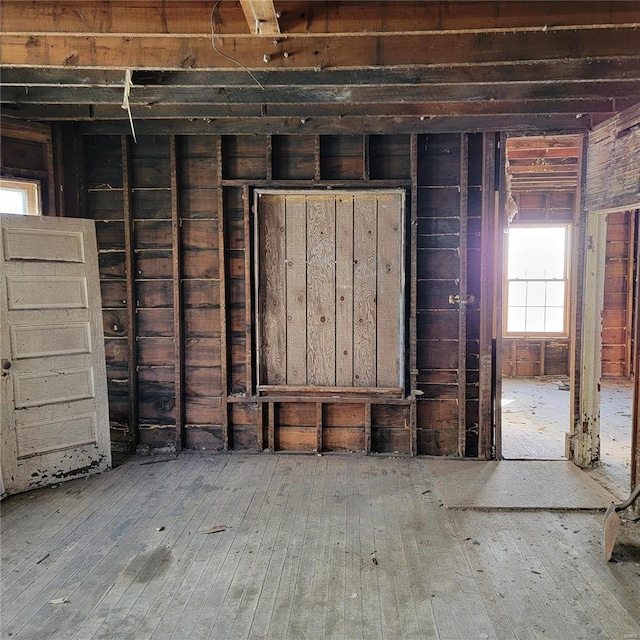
point(276, 66)
point(543, 163)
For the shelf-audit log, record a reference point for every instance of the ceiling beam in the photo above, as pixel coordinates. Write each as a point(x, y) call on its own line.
point(261, 16)
point(583, 69)
point(317, 52)
point(307, 17)
point(416, 94)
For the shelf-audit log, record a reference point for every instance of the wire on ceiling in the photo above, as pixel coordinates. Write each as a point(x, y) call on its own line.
point(215, 12)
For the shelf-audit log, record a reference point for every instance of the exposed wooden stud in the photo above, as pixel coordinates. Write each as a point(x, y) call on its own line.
point(413, 294)
point(367, 428)
point(271, 427)
point(260, 426)
point(462, 304)
point(541, 363)
point(319, 427)
point(487, 286)
point(178, 324)
point(269, 157)
point(130, 289)
point(248, 290)
point(224, 358)
point(317, 174)
point(366, 160)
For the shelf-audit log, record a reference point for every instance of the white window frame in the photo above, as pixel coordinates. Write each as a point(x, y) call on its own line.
point(567, 285)
point(31, 189)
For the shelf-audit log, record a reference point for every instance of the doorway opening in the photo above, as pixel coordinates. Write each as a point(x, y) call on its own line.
point(538, 285)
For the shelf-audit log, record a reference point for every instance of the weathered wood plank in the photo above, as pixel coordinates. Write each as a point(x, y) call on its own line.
point(389, 290)
point(321, 283)
point(362, 50)
point(296, 289)
point(271, 220)
point(344, 290)
point(364, 290)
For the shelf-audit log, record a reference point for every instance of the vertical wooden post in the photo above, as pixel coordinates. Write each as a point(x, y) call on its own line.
point(631, 237)
point(271, 427)
point(366, 157)
point(269, 158)
point(487, 284)
point(462, 305)
point(130, 290)
point(51, 181)
point(224, 363)
point(319, 425)
point(317, 174)
point(178, 325)
point(367, 428)
point(260, 426)
point(413, 296)
point(248, 306)
point(541, 360)
point(500, 226)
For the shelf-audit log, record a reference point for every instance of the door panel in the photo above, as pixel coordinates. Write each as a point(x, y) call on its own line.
point(54, 410)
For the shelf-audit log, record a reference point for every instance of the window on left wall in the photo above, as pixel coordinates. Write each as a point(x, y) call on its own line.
point(20, 197)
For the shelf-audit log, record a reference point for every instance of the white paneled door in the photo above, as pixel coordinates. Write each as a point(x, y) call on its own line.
point(54, 408)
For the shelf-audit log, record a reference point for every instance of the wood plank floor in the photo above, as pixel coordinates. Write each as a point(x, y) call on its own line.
point(337, 546)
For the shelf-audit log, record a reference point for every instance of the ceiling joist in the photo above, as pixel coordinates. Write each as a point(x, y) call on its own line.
point(261, 16)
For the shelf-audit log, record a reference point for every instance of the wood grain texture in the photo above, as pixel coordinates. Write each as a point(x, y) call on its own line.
point(321, 269)
point(302, 536)
point(296, 289)
point(272, 289)
point(389, 282)
point(364, 291)
point(344, 290)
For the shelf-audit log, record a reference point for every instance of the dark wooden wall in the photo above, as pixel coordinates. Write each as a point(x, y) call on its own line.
point(26, 152)
point(175, 234)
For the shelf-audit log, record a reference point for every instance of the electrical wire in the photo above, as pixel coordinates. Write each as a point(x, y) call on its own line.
point(215, 48)
point(128, 83)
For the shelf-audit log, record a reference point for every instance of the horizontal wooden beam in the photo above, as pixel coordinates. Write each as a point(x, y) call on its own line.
point(585, 108)
point(347, 125)
point(417, 94)
point(582, 69)
point(305, 17)
point(310, 52)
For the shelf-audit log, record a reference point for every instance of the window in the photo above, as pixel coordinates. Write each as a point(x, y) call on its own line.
point(537, 281)
point(330, 289)
point(21, 197)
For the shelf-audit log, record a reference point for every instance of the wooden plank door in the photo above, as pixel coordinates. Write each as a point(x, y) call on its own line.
point(54, 409)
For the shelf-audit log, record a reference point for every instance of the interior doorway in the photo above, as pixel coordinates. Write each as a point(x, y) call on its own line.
point(542, 201)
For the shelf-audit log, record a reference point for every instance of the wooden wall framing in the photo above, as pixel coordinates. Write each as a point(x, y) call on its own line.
point(176, 245)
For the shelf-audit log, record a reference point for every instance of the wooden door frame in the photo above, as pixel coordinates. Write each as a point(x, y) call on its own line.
point(576, 275)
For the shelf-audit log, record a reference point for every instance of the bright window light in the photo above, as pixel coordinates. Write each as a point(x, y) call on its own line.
point(20, 197)
point(537, 282)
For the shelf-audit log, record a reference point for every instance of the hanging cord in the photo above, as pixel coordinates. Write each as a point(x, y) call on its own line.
point(214, 11)
point(125, 100)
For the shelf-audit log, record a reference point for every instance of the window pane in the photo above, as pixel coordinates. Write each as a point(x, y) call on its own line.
point(13, 201)
point(536, 294)
point(554, 319)
point(516, 319)
point(535, 320)
point(536, 252)
point(517, 294)
point(21, 197)
point(555, 294)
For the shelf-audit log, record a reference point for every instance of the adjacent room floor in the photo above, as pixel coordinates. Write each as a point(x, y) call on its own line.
point(535, 415)
point(302, 546)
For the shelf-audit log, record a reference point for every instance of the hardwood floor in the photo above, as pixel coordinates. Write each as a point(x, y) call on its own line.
point(337, 546)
